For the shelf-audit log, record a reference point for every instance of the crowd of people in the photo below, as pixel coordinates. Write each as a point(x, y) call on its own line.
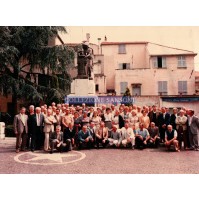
point(63, 127)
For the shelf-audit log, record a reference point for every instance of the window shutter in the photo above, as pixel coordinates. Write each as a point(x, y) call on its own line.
point(159, 86)
point(164, 65)
point(128, 66)
point(155, 62)
point(164, 88)
point(185, 86)
point(120, 66)
point(123, 86)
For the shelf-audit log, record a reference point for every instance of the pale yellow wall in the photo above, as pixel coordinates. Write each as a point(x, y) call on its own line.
point(149, 77)
point(112, 59)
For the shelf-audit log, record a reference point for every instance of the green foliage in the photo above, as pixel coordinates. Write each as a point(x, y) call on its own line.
point(25, 54)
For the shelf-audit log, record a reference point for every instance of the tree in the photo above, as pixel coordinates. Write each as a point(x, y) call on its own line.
point(26, 56)
point(126, 98)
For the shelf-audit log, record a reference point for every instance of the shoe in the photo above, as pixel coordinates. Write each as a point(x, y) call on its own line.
point(51, 152)
point(32, 150)
point(196, 149)
point(17, 150)
point(133, 147)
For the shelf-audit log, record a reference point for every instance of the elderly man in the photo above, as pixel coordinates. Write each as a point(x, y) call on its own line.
point(21, 129)
point(56, 139)
point(49, 122)
point(142, 136)
point(154, 139)
point(127, 136)
point(114, 139)
point(84, 138)
point(181, 127)
point(171, 138)
point(193, 123)
point(102, 135)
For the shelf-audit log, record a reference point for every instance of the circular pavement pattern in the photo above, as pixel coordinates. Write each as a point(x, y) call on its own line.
point(41, 158)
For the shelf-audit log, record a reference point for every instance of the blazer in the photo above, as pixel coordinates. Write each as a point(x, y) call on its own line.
point(53, 136)
point(103, 134)
point(181, 121)
point(49, 126)
point(19, 125)
point(173, 121)
point(162, 121)
point(194, 126)
point(153, 132)
point(150, 114)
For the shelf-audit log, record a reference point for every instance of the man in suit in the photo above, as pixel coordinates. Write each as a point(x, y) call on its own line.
point(69, 136)
point(58, 118)
point(31, 126)
point(56, 139)
point(21, 129)
point(127, 136)
point(163, 122)
point(181, 127)
point(37, 122)
point(173, 118)
point(102, 135)
point(154, 139)
point(49, 122)
point(153, 115)
point(193, 128)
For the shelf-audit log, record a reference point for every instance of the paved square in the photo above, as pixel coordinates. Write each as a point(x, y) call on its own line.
point(102, 161)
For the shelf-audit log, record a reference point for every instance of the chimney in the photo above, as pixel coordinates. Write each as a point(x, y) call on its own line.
point(105, 38)
point(87, 37)
point(99, 39)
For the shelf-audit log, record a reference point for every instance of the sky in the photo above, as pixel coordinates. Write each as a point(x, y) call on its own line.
point(183, 37)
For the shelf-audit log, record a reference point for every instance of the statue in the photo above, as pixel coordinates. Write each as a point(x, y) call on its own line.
point(85, 61)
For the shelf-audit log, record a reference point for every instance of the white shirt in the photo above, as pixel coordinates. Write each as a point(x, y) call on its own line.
point(190, 120)
point(23, 118)
point(38, 119)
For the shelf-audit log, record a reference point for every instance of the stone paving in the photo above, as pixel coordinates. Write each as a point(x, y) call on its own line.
point(102, 161)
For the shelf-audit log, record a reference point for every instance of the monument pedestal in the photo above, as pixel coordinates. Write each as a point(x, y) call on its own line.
point(82, 91)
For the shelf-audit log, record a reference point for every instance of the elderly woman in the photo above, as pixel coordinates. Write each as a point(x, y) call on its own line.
point(145, 119)
point(134, 120)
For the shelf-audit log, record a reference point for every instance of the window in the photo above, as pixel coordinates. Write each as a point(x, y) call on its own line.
point(162, 88)
point(181, 61)
point(122, 49)
point(123, 86)
point(159, 62)
point(136, 89)
point(124, 66)
point(97, 87)
point(182, 87)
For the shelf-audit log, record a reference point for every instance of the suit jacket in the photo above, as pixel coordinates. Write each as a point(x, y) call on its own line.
point(181, 121)
point(41, 121)
point(162, 121)
point(194, 126)
point(103, 134)
point(58, 120)
point(19, 125)
point(151, 117)
point(153, 132)
point(173, 121)
point(53, 136)
point(48, 125)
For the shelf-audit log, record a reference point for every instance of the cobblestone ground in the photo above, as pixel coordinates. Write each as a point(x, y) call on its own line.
point(102, 161)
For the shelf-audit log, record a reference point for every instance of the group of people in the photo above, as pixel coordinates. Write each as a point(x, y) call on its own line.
point(63, 127)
